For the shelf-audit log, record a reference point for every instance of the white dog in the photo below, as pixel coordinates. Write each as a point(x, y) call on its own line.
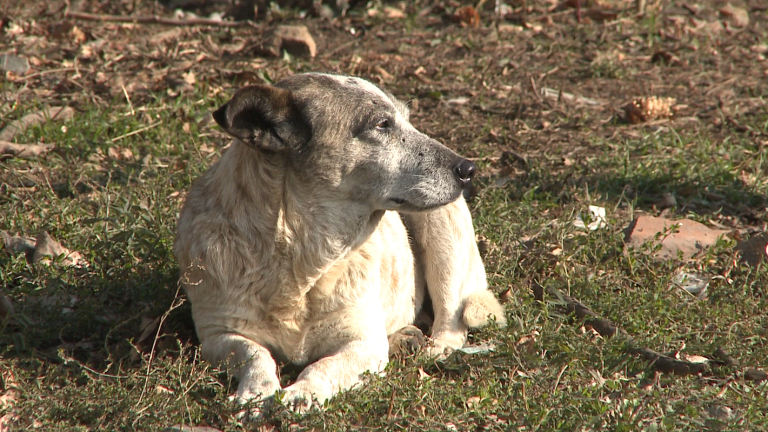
point(320, 232)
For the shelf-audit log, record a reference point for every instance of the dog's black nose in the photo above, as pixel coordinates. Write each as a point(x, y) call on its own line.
point(464, 170)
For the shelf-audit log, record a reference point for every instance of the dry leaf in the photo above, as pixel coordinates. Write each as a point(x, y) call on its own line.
point(52, 113)
point(393, 13)
point(47, 248)
point(7, 400)
point(527, 343)
point(119, 153)
point(694, 358)
point(467, 17)
point(148, 327)
point(473, 402)
point(24, 151)
point(189, 78)
point(163, 390)
point(645, 109)
point(506, 296)
point(78, 36)
point(16, 244)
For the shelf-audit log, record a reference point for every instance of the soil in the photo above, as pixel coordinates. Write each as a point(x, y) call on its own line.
point(542, 81)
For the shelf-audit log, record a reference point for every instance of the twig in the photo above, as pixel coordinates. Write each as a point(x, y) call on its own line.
point(156, 20)
point(46, 72)
point(128, 98)
point(605, 328)
point(137, 131)
point(174, 305)
point(67, 359)
point(340, 48)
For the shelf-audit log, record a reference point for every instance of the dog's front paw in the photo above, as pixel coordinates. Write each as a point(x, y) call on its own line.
point(260, 398)
point(444, 344)
point(408, 339)
point(299, 398)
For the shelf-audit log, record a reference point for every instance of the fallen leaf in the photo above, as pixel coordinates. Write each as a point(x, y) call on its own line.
point(78, 36)
point(148, 327)
point(527, 343)
point(24, 151)
point(38, 117)
point(473, 402)
point(47, 249)
point(645, 109)
point(467, 17)
point(163, 390)
point(189, 78)
point(393, 13)
point(553, 94)
point(7, 400)
point(16, 244)
point(386, 76)
point(119, 153)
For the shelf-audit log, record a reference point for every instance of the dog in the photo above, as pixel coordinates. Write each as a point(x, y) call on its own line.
point(320, 232)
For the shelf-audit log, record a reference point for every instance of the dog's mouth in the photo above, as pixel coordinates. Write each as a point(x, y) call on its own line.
point(403, 205)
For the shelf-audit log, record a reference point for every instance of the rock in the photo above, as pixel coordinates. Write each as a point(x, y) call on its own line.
point(13, 63)
point(689, 237)
point(754, 250)
point(736, 16)
point(667, 201)
point(296, 40)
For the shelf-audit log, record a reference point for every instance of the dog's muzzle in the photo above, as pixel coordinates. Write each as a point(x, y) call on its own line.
point(464, 170)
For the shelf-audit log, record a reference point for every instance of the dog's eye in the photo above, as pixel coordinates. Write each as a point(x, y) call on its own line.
point(384, 124)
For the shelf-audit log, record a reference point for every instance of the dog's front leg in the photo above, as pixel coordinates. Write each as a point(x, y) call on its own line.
point(250, 362)
point(444, 244)
point(340, 371)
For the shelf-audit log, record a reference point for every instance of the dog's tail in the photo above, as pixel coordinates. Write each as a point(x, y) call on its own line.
point(479, 305)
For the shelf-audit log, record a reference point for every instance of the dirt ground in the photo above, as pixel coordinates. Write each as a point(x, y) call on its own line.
point(538, 79)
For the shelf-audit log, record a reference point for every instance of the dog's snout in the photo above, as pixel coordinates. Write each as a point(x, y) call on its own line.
point(464, 171)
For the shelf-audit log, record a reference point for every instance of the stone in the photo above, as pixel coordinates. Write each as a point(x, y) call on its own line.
point(13, 63)
point(689, 237)
point(736, 16)
point(296, 40)
point(754, 250)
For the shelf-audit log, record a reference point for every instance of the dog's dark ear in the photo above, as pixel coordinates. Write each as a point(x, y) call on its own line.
point(264, 117)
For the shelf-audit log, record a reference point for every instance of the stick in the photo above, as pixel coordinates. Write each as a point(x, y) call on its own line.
point(137, 131)
point(156, 20)
point(659, 362)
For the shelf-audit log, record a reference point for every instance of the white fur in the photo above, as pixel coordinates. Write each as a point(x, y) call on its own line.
point(278, 267)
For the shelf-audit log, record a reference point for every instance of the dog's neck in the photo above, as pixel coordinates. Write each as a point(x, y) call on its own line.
point(300, 232)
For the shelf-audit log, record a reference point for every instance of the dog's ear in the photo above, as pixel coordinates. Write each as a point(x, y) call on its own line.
point(264, 117)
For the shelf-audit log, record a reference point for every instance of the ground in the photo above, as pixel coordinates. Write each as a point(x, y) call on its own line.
point(535, 92)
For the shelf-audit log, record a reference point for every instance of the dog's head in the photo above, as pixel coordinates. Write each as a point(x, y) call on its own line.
point(349, 139)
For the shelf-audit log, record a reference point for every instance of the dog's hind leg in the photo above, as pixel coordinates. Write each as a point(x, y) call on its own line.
point(444, 243)
point(251, 363)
